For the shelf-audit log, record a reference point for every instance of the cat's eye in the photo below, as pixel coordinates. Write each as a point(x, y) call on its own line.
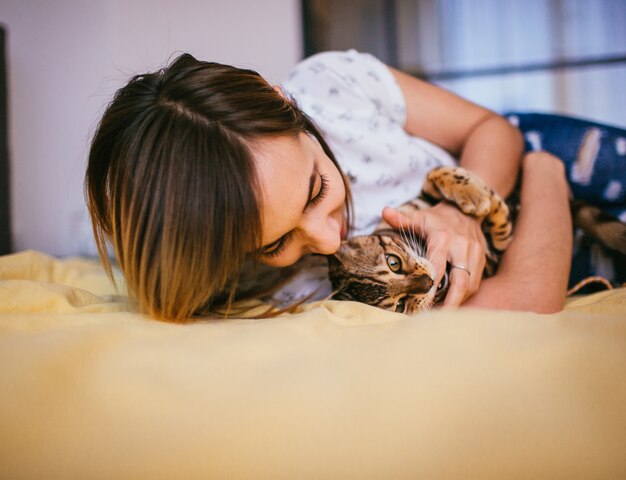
point(394, 262)
point(401, 305)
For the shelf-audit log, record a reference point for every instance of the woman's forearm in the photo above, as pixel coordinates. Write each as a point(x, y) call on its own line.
point(493, 150)
point(484, 142)
point(534, 270)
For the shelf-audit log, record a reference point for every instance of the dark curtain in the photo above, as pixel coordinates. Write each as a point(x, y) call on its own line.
point(5, 219)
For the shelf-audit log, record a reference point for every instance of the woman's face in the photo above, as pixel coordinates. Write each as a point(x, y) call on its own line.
point(303, 199)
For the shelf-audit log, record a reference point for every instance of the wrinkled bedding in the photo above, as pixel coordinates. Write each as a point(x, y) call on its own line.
point(337, 391)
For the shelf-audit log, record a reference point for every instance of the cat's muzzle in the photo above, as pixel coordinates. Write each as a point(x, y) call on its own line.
point(420, 283)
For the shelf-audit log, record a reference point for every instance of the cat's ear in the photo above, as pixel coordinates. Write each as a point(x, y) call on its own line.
point(341, 254)
point(345, 253)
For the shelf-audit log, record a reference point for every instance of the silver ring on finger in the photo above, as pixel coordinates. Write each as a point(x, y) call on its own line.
point(461, 267)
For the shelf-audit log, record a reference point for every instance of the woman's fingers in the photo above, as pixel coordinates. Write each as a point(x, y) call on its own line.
point(396, 219)
point(438, 251)
point(464, 282)
point(459, 286)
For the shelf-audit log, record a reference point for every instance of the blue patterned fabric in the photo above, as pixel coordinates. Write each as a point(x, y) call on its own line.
point(595, 158)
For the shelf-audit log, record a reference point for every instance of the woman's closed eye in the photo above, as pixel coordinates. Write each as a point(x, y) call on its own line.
point(275, 249)
point(321, 192)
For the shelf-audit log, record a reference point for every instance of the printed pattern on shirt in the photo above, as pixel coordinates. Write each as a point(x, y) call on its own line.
point(360, 110)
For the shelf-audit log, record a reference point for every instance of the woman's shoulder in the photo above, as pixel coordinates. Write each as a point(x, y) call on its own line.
point(336, 58)
point(350, 65)
point(346, 76)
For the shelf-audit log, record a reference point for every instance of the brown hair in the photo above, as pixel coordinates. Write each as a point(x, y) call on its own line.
point(171, 183)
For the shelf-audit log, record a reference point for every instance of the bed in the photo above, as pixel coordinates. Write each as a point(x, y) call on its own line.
point(337, 391)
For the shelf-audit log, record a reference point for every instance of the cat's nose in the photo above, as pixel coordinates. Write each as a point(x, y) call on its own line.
point(420, 284)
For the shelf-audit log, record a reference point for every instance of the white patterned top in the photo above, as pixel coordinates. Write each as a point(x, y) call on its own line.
point(360, 110)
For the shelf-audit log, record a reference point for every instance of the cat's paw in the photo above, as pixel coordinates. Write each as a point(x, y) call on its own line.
point(459, 186)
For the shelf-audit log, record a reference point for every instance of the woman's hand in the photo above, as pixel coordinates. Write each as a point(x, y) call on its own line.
point(451, 236)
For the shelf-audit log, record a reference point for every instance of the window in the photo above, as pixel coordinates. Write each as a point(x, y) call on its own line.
point(564, 56)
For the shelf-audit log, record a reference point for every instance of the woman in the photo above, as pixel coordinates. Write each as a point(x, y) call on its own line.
point(200, 171)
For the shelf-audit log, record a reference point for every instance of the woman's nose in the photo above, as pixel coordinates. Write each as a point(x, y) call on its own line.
point(320, 236)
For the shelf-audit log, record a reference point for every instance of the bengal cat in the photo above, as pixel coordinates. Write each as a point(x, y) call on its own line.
point(389, 268)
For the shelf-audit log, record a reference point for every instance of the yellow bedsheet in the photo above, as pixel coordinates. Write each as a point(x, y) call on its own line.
point(339, 391)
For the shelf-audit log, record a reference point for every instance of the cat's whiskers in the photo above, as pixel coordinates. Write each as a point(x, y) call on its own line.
point(414, 243)
point(413, 247)
point(424, 241)
point(404, 236)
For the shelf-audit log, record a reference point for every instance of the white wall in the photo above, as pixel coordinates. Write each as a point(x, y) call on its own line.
point(67, 57)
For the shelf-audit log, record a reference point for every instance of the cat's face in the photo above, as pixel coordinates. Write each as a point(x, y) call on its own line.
point(388, 270)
